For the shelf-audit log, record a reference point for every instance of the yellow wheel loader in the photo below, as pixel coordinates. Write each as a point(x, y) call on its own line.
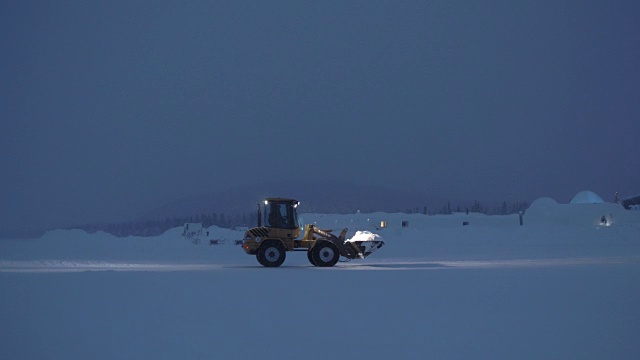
point(279, 234)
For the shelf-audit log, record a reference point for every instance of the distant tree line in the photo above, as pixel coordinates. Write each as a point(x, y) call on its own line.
point(504, 208)
point(157, 227)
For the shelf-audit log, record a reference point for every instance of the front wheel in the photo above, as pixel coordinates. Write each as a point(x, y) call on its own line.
point(271, 253)
point(310, 257)
point(325, 254)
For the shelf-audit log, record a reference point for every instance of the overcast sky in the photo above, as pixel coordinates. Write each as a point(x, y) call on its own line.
point(109, 108)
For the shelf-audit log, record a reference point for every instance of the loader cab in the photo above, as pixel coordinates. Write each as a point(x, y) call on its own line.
point(281, 213)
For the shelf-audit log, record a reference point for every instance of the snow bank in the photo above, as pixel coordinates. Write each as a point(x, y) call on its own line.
point(79, 245)
point(580, 215)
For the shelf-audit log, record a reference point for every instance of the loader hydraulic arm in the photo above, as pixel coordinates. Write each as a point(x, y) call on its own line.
point(347, 249)
point(311, 230)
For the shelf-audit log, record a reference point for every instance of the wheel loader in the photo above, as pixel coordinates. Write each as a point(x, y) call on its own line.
point(281, 231)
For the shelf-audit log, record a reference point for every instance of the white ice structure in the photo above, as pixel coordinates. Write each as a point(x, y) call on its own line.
point(586, 197)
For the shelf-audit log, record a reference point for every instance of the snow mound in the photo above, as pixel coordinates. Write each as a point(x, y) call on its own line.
point(586, 197)
point(543, 202)
point(364, 236)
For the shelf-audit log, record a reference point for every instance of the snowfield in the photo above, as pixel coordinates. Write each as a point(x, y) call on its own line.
point(564, 285)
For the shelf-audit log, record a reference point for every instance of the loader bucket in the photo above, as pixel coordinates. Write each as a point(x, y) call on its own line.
point(363, 244)
point(364, 248)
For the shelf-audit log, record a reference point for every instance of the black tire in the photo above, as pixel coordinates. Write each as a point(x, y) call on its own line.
point(271, 253)
point(325, 254)
point(310, 257)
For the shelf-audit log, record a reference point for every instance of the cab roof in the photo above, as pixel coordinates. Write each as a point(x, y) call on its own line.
point(281, 200)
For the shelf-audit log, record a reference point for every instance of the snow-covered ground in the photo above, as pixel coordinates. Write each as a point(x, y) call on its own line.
point(564, 285)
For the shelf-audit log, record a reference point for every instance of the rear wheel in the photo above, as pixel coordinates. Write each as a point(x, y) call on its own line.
point(325, 254)
point(271, 253)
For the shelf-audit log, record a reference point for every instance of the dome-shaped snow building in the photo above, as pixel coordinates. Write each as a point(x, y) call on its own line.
point(586, 197)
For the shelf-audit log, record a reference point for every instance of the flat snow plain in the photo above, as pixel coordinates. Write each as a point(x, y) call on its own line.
point(562, 286)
